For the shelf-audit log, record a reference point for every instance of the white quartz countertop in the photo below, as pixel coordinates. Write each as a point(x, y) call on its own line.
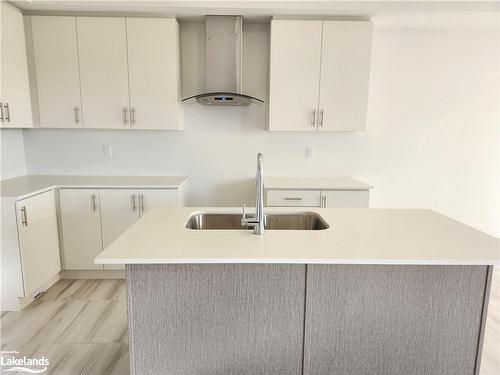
point(320, 183)
point(355, 236)
point(28, 185)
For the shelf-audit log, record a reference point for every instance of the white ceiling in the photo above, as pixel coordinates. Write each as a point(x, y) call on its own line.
point(257, 9)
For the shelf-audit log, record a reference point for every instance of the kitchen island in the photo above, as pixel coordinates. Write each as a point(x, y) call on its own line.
point(375, 292)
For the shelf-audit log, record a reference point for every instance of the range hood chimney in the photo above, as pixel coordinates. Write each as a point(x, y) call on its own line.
point(223, 63)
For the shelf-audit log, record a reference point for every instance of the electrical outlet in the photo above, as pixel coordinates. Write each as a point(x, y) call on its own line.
point(309, 152)
point(107, 150)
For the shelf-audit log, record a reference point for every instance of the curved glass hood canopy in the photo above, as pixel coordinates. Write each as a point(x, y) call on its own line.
point(223, 64)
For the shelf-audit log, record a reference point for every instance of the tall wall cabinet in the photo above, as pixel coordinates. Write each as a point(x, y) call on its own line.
point(15, 100)
point(106, 72)
point(319, 75)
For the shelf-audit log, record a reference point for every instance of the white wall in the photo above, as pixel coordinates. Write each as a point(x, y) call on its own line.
point(433, 138)
point(12, 157)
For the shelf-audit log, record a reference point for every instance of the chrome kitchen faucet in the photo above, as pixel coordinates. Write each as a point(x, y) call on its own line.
point(257, 222)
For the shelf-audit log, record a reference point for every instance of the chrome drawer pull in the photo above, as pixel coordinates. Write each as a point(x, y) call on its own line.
point(293, 198)
point(24, 217)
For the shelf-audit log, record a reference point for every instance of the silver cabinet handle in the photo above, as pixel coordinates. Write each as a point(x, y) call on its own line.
point(125, 115)
point(321, 118)
point(323, 201)
point(1, 111)
point(93, 199)
point(293, 198)
point(132, 116)
point(24, 216)
point(313, 123)
point(7, 112)
point(77, 114)
point(134, 202)
point(143, 207)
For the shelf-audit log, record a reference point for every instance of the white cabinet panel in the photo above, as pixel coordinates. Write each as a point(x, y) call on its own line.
point(81, 228)
point(102, 47)
point(319, 75)
point(153, 59)
point(294, 74)
point(38, 240)
point(119, 210)
point(15, 111)
point(56, 63)
point(93, 218)
point(345, 198)
point(158, 198)
point(293, 198)
point(345, 71)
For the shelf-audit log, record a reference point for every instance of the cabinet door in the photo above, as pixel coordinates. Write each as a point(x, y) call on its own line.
point(392, 319)
point(345, 71)
point(153, 61)
point(56, 64)
point(294, 74)
point(158, 198)
point(15, 88)
point(81, 228)
point(38, 240)
point(119, 210)
point(345, 198)
point(102, 48)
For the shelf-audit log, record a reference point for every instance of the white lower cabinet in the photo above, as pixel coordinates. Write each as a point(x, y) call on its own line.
point(158, 198)
point(91, 219)
point(345, 198)
point(80, 228)
point(318, 198)
point(38, 240)
point(119, 210)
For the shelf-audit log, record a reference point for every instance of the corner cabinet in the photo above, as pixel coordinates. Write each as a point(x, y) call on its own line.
point(15, 100)
point(30, 261)
point(114, 73)
point(319, 75)
point(38, 240)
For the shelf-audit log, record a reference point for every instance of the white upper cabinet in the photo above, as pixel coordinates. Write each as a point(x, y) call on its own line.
point(107, 72)
point(55, 51)
point(319, 75)
point(153, 60)
point(15, 107)
point(295, 74)
point(345, 71)
point(102, 48)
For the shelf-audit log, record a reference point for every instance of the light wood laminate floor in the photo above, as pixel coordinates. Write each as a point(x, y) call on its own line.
point(81, 326)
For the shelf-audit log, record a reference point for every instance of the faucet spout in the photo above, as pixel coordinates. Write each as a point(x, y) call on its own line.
point(257, 222)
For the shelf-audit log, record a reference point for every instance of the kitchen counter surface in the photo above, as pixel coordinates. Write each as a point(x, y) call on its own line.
point(24, 186)
point(355, 236)
point(305, 183)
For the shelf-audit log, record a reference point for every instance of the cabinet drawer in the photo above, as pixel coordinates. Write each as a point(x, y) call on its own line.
point(293, 198)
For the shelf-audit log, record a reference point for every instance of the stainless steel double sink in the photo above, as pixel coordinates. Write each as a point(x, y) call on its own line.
point(273, 221)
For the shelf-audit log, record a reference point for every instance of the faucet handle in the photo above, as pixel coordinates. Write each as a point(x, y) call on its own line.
point(244, 216)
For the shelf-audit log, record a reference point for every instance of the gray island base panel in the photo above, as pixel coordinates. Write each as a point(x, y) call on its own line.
point(267, 319)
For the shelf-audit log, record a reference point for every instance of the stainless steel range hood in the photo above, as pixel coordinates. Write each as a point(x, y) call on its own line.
point(223, 63)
